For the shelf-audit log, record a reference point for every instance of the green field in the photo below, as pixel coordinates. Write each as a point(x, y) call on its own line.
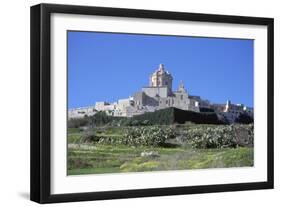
point(92, 157)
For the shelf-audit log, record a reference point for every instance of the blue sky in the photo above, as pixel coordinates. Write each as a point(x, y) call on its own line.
point(108, 66)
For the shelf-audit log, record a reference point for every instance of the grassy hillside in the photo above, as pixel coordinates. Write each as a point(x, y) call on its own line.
point(113, 149)
point(121, 158)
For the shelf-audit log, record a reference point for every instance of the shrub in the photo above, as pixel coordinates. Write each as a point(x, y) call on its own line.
point(182, 116)
point(76, 123)
point(135, 123)
point(211, 138)
point(244, 119)
point(244, 135)
point(148, 136)
point(100, 118)
point(203, 109)
point(172, 115)
point(145, 123)
point(230, 136)
point(159, 117)
point(88, 137)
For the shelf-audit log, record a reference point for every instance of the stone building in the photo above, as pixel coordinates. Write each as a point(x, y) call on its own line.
point(81, 112)
point(159, 94)
point(232, 111)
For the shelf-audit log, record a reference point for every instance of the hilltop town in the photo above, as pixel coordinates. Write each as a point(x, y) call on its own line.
point(159, 95)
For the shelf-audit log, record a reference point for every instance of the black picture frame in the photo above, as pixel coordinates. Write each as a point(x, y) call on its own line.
point(41, 99)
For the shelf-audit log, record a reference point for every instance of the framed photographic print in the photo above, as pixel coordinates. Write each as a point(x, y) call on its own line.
point(133, 103)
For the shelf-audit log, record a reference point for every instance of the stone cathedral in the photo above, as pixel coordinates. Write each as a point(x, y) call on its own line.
point(159, 94)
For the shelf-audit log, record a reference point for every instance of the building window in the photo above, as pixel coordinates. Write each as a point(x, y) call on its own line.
point(181, 97)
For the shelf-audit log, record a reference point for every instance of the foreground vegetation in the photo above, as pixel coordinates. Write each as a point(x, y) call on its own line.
point(121, 158)
point(111, 149)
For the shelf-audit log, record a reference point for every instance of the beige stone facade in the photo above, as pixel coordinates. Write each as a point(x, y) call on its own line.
point(161, 78)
